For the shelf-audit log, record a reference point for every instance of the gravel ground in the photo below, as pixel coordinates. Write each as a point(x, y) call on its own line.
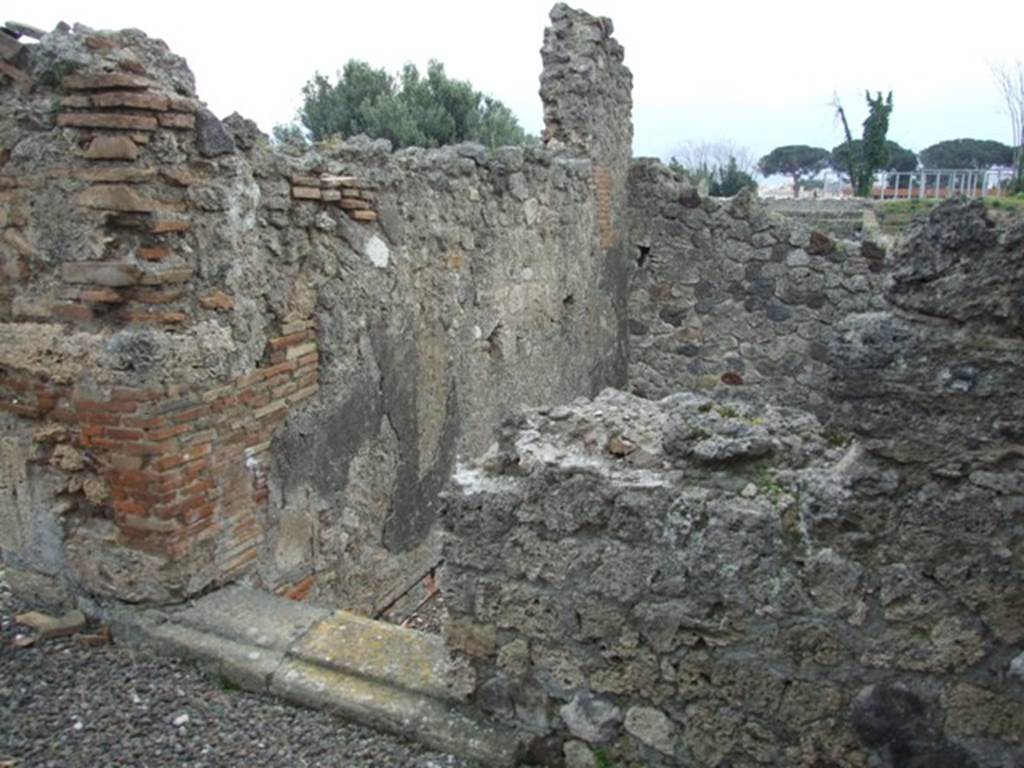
point(63, 704)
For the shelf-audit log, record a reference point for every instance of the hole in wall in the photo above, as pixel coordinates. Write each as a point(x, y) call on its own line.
point(643, 253)
point(494, 347)
point(419, 605)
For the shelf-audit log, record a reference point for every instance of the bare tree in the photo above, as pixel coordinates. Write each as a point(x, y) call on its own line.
point(1010, 81)
point(707, 156)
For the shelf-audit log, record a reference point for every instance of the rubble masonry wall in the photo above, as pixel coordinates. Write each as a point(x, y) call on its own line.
point(709, 581)
point(724, 294)
point(220, 361)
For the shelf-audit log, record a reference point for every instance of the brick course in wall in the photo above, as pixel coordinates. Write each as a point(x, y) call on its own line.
point(603, 195)
point(346, 192)
point(177, 467)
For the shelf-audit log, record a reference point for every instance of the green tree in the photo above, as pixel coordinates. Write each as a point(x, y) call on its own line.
point(731, 180)
point(408, 110)
point(901, 159)
point(874, 154)
point(499, 127)
point(340, 107)
point(795, 161)
point(898, 159)
point(966, 153)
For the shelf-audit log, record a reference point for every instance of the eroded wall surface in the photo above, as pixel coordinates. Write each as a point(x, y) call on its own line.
point(726, 294)
point(220, 361)
point(705, 582)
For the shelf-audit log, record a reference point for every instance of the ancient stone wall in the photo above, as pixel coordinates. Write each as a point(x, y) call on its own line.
point(708, 582)
point(221, 361)
point(726, 294)
point(588, 100)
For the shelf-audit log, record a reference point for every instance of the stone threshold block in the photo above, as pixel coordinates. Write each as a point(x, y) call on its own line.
point(377, 674)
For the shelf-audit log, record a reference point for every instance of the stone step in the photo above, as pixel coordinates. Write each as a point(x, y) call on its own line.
point(250, 617)
point(382, 676)
point(441, 725)
point(358, 646)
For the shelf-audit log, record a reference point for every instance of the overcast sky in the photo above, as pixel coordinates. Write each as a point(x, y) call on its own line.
point(759, 74)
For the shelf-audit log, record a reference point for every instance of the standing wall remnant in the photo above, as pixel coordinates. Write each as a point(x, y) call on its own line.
point(702, 582)
point(588, 101)
point(726, 295)
point(221, 361)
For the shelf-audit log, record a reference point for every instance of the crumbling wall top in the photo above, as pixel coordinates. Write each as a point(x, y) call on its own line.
point(586, 88)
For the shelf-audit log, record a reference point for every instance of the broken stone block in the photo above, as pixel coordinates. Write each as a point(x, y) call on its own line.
point(52, 626)
point(109, 147)
point(212, 139)
point(244, 131)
